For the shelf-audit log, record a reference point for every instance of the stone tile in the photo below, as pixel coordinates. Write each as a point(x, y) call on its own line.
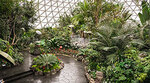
point(73, 72)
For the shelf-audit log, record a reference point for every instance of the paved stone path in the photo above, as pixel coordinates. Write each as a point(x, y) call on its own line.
point(73, 72)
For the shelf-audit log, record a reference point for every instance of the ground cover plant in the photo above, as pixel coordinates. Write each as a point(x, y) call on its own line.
point(46, 63)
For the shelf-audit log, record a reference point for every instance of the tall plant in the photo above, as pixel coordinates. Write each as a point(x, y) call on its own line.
point(143, 31)
point(112, 40)
point(145, 15)
point(88, 14)
point(16, 16)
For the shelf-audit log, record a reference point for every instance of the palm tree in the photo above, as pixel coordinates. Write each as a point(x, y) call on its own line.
point(112, 39)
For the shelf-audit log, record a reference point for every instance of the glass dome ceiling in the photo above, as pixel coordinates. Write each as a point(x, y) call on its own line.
point(48, 11)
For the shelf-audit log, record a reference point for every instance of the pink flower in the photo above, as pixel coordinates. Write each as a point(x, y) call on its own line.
point(43, 67)
point(60, 47)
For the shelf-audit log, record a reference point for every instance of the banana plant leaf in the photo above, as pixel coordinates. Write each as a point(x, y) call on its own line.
point(9, 58)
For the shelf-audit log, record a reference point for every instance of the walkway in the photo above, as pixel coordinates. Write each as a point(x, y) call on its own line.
point(73, 72)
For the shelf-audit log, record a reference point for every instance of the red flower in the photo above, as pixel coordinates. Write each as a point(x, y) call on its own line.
point(55, 49)
point(60, 47)
point(38, 45)
point(73, 51)
point(77, 51)
point(58, 58)
point(43, 67)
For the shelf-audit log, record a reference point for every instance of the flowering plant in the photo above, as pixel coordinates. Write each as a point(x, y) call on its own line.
point(46, 63)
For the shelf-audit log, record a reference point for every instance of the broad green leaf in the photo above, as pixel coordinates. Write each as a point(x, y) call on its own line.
point(122, 77)
point(141, 18)
point(9, 58)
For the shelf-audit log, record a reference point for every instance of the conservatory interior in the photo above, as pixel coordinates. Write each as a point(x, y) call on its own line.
point(74, 41)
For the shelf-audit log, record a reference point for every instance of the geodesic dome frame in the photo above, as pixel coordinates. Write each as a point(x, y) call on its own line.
point(48, 11)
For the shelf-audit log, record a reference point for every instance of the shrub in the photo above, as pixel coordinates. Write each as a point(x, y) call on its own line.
point(16, 18)
point(46, 62)
point(131, 68)
point(17, 56)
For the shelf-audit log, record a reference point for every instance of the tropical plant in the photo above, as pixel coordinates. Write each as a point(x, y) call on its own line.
point(64, 20)
point(56, 42)
point(95, 59)
point(145, 15)
point(8, 50)
point(6, 56)
point(45, 62)
point(112, 40)
point(38, 47)
point(84, 52)
point(130, 69)
point(143, 35)
point(27, 38)
point(88, 14)
point(16, 18)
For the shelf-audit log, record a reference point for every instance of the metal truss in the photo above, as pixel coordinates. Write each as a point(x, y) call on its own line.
point(48, 11)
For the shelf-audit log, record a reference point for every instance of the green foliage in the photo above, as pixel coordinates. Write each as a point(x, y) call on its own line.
point(45, 62)
point(94, 58)
point(7, 57)
point(18, 57)
point(52, 38)
point(111, 40)
point(143, 32)
point(145, 15)
point(118, 64)
point(85, 52)
point(26, 39)
point(64, 20)
point(130, 69)
point(46, 46)
point(93, 74)
point(142, 37)
point(56, 42)
point(6, 47)
point(39, 46)
point(16, 18)
point(88, 14)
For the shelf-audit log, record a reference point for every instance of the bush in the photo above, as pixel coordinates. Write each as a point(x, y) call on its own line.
point(17, 56)
point(130, 69)
point(27, 38)
point(56, 42)
point(46, 63)
point(15, 19)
